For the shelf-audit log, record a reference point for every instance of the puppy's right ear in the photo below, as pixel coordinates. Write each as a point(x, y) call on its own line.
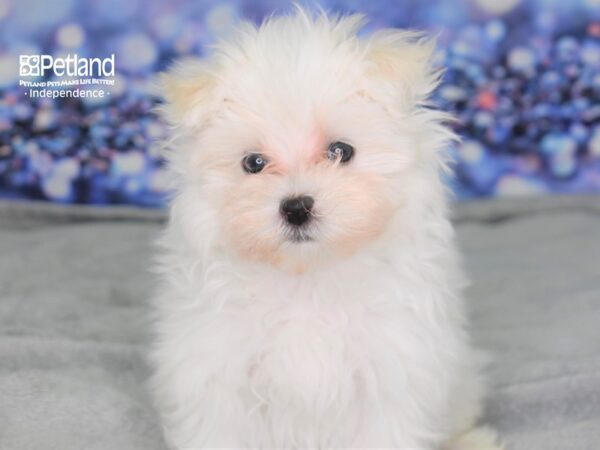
point(187, 89)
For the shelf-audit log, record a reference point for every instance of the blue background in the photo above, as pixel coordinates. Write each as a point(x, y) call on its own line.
point(522, 76)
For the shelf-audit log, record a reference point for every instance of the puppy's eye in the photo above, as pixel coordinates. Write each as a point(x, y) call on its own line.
point(340, 151)
point(254, 162)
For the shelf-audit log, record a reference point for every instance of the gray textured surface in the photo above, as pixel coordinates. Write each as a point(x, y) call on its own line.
point(73, 289)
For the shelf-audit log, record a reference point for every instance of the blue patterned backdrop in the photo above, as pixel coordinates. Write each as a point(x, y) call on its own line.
point(523, 77)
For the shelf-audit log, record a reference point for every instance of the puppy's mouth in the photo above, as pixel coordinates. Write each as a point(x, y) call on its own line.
point(298, 235)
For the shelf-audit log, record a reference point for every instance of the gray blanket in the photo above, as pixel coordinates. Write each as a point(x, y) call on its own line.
point(73, 290)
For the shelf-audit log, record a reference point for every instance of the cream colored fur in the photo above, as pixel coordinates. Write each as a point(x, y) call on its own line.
point(357, 338)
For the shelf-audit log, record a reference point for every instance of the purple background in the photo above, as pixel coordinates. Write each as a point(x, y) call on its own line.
point(523, 78)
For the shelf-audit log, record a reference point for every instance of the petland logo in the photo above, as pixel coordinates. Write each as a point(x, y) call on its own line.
point(90, 73)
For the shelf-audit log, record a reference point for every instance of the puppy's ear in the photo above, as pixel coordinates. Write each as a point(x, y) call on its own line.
point(402, 65)
point(187, 89)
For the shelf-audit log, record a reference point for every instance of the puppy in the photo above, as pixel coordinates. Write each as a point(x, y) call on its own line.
point(310, 286)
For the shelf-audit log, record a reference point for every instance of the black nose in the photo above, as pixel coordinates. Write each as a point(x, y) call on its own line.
point(296, 210)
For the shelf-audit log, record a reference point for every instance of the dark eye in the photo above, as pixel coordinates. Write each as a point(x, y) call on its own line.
point(340, 151)
point(254, 162)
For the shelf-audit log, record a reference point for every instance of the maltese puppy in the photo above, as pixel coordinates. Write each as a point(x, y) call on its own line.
point(310, 293)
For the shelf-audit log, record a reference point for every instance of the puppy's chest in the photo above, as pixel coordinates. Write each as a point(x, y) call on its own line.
point(318, 356)
point(319, 347)
point(312, 349)
point(302, 357)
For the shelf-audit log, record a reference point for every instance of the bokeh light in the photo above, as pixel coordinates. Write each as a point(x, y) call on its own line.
point(522, 78)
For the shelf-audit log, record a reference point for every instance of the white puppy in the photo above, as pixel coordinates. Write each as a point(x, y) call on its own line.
point(310, 287)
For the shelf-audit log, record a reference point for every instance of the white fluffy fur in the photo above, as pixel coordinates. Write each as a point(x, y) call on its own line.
point(354, 340)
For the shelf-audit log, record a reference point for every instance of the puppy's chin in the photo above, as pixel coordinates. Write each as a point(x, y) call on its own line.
point(301, 254)
point(290, 250)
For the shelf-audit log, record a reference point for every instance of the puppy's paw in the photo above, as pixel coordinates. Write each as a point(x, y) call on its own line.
point(481, 438)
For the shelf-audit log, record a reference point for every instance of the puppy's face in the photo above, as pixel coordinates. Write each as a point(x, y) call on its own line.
point(300, 181)
point(299, 149)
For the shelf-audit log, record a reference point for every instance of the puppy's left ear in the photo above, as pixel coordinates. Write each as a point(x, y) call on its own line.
point(187, 89)
point(401, 63)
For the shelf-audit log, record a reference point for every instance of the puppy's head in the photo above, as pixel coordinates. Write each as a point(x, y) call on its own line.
point(300, 141)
